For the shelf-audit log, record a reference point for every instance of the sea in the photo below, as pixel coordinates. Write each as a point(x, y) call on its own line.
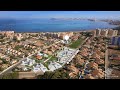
point(49, 25)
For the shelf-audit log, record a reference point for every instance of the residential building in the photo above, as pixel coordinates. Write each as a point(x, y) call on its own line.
point(4, 66)
point(78, 60)
point(72, 68)
point(112, 33)
point(18, 36)
point(8, 34)
point(95, 55)
point(1, 61)
point(38, 57)
point(89, 76)
point(28, 62)
point(104, 32)
point(98, 73)
point(99, 61)
point(115, 40)
point(98, 32)
point(92, 65)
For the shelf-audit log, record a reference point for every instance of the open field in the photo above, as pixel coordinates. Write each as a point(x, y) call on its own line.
point(76, 44)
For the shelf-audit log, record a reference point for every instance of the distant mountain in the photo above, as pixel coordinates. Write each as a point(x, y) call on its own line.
point(91, 19)
point(52, 18)
point(66, 19)
point(112, 22)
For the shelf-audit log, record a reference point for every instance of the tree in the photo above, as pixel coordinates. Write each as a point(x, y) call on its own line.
point(1, 69)
point(4, 60)
point(13, 75)
point(78, 66)
point(23, 39)
point(58, 74)
point(1, 36)
point(47, 75)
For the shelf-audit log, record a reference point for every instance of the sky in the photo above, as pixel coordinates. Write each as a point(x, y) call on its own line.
point(60, 14)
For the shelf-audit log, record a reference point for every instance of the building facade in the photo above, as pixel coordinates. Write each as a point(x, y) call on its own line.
point(115, 40)
point(106, 32)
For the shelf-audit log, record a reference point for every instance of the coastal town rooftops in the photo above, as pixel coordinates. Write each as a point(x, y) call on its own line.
point(92, 65)
point(89, 76)
point(99, 61)
point(81, 61)
point(39, 43)
point(36, 69)
point(38, 56)
point(95, 55)
point(57, 65)
point(73, 68)
point(51, 67)
point(98, 73)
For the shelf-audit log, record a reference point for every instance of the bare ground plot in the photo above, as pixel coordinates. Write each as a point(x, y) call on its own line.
point(28, 75)
point(115, 74)
point(112, 51)
point(116, 62)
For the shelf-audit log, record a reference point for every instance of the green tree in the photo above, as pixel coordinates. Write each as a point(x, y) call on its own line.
point(58, 74)
point(13, 75)
point(4, 61)
point(47, 75)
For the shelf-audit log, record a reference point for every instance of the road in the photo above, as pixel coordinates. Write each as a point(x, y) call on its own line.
point(106, 58)
point(70, 59)
point(20, 61)
point(11, 67)
point(106, 61)
point(83, 42)
point(80, 73)
point(85, 65)
point(108, 70)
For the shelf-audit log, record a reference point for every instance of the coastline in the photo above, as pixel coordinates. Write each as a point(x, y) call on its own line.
point(75, 28)
point(66, 31)
point(116, 28)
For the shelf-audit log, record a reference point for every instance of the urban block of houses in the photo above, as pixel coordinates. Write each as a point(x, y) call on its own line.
point(53, 66)
point(39, 67)
point(28, 62)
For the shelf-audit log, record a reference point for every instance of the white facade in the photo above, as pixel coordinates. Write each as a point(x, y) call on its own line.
point(28, 62)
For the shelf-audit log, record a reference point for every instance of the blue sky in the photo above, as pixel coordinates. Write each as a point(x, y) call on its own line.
point(60, 14)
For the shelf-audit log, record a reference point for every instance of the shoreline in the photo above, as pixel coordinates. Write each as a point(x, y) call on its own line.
point(116, 28)
point(66, 30)
point(62, 31)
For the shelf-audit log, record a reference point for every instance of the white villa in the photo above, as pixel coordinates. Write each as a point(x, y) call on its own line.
point(39, 67)
point(28, 62)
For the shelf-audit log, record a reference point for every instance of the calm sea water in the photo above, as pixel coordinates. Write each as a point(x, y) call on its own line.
point(47, 25)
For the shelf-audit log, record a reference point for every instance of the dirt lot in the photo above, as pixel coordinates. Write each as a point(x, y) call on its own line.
point(116, 62)
point(28, 75)
point(115, 74)
point(112, 51)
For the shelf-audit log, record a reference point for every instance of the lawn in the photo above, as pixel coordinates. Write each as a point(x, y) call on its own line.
point(53, 58)
point(46, 64)
point(76, 44)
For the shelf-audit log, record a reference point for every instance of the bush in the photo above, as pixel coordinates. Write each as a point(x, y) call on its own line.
point(13, 75)
point(58, 74)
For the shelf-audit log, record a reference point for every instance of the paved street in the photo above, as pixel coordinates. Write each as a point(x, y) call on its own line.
point(11, 67)
point(106, 59)
point(19, 62)
point(107, 62)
